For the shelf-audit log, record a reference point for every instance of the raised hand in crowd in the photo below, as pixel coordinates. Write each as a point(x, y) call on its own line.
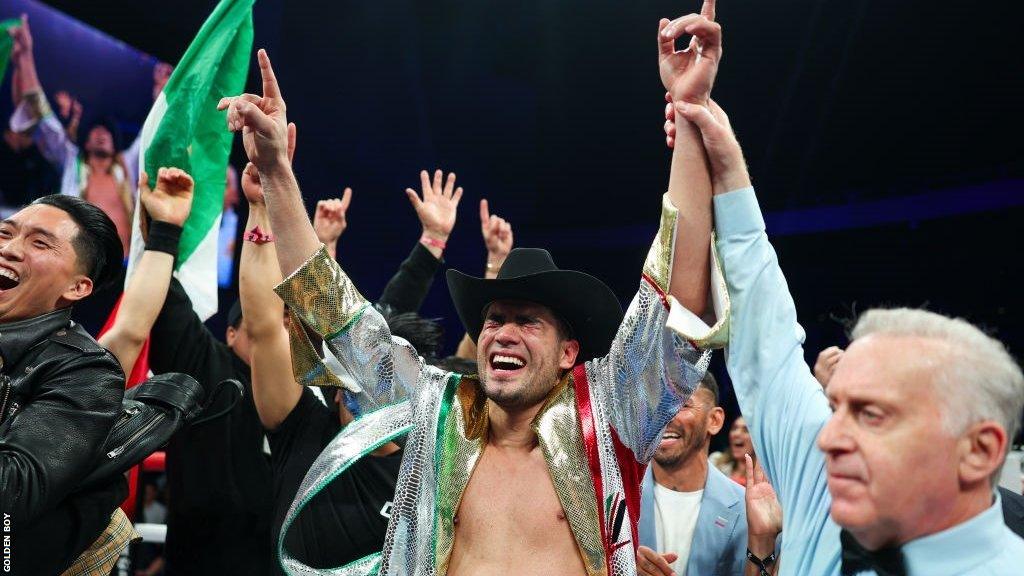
point(262, 121)
point(329, 220)
point(70, 111)
point(825, 365)
point(24, 77)
point(764, 519)
point(22, 38)
point(689, 74)
point(497, 233)
point(265, 136)
point(498, 239)
point(171, 200)
point(168, 204)
point(436, 209)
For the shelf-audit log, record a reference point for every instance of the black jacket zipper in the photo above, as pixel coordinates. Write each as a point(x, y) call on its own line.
point(135, 436)
point(5, 394)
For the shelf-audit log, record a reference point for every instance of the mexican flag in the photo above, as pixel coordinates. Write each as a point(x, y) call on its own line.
point(185, 130)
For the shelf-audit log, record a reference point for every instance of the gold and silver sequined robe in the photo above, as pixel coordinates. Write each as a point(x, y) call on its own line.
point(597, 430)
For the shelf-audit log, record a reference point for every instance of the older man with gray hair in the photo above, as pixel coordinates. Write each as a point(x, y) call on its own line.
point(894, 471)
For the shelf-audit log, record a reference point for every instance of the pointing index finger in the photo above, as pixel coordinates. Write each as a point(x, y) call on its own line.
point(346, 198)
point(270, 87)
point(485, 213)
point(708, 10)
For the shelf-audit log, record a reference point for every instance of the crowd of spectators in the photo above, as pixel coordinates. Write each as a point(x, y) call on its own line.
point(822, 461)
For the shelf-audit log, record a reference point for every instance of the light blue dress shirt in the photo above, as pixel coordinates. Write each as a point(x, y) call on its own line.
point(785, 409)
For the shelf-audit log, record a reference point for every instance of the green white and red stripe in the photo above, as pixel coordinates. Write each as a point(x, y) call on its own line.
point(185, 130)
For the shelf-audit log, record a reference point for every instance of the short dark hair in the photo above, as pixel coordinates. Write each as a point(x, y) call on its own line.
point(108, 124)
point(709, 383)
point(425, 335)
point(457, 364)
point(565, 331)
point(97, 245)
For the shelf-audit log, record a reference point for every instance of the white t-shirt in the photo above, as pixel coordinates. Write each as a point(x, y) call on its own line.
point(675, 520)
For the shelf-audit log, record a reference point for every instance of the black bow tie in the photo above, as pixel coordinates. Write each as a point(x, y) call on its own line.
point(856, 558)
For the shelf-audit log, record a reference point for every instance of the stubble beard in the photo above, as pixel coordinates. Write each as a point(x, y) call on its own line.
point(692, 446)
point(526, 395)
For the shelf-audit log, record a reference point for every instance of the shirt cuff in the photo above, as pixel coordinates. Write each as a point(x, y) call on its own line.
point(658, 270)
point(696, 330)
point(322, 295)
point(737, 213)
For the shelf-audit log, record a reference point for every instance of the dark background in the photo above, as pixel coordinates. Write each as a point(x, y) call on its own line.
point(905, 113)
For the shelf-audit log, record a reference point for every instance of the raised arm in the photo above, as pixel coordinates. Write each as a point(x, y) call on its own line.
point(782, 402)
point(653, 365)
point(274, 389)
point(318, 292)
point(168, 205)
point(264, 126)
point(437, 211)
point(659, 353)
point(688, 76)
point(11, 29)
point(498, 239)
point(32, 107)
point(23, 57)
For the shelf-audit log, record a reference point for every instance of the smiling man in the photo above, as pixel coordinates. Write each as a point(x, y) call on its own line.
point(59, 390)
point(534, 465)
point(692, 516)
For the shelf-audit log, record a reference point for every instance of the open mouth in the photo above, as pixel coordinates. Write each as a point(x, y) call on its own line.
point(8, 279)
point(506, 363)
point(670, 437)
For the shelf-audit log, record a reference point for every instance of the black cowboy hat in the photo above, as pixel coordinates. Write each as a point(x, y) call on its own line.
point(529, 274)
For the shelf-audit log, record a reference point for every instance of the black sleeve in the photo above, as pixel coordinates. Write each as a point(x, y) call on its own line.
point(298, 440)
point(52, 444)
point(180, 342)
point(408, 288)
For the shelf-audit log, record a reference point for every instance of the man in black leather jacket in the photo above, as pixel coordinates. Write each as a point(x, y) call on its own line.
point(60, 392)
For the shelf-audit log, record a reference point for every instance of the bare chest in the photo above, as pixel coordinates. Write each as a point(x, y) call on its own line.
point(510, 516)
point(511, 492)
point(101, 190)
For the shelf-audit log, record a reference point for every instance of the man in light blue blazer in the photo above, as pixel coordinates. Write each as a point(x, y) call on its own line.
point(689, 509)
